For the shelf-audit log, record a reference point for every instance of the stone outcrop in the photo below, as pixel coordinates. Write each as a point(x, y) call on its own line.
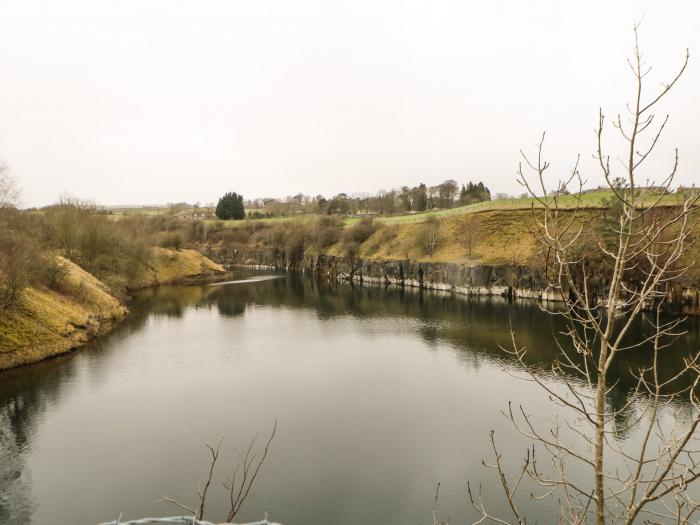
point(512, 281)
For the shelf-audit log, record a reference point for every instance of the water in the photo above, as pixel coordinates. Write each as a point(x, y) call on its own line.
point(379, 395)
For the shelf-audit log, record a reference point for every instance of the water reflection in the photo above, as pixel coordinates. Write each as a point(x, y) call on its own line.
point(25, 396)
point(225, 318)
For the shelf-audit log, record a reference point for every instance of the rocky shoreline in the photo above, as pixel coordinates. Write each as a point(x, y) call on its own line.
point(506, 280)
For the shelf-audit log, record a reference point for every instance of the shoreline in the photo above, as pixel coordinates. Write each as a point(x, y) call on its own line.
point(682, 302)
point(52, 323)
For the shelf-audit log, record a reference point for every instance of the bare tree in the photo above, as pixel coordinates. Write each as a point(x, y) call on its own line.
point(644, 252)
point(468, 226)
point(436, 519)
point(430, 236)
point(242, 479)
point(9, 194)
point(20, 256)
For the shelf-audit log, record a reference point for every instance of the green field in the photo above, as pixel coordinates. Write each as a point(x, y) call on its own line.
point(141, 210)
point(590, 200)
point(268, 220)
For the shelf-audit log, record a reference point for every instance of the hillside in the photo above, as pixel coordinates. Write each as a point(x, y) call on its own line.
point(48, 322)
point(590, 200)
point(173, 266)
point(490, 237)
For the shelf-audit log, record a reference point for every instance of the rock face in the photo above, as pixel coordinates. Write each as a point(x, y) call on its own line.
point(504, 280)
point(513, 281)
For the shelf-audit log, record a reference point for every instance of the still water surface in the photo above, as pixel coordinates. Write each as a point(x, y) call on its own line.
point(379, 395)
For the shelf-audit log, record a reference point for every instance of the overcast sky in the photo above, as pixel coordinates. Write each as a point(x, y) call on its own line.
point(128, 102)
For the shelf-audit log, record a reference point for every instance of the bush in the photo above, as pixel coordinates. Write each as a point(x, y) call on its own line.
point(274, 236)
point(164, 223)
point(327, 237)
point(325, 231)
point(360, 232)
point(197, 231)
point(105, 247)
point(52, 272)
point(236, 235)
point(173, 240)
point(20, 257)
point(294, 245)
point(17, 264)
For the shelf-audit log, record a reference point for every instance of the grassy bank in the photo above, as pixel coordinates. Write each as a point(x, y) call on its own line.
point(49, 321)
point(482, 237)
point(174, 266)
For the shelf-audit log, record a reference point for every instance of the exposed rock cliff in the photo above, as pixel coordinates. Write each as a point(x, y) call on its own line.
point(515, 281)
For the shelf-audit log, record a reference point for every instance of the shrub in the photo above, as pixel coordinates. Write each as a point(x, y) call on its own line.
point(359, 232)
point(327, 237)
point(105, 247)
point(52, 272)
point(294, 245)
point(17, 263)
point(325, 231)
point(20, 257)
point(236, 235)
point(196, 231)
point(173, 240)
point(274, 236)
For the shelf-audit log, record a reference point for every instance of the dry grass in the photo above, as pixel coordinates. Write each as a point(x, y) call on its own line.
point(170, 266)
point(497, 237)
point(48, 322)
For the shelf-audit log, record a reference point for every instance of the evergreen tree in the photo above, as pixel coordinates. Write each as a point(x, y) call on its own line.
point(474, 193)
point(230, 206)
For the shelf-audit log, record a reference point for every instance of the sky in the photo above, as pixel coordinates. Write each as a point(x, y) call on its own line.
point(150, 102)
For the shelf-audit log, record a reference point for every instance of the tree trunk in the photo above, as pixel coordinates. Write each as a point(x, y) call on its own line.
point(600, 436)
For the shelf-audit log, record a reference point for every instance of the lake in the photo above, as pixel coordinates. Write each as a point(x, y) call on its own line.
point(379, 395)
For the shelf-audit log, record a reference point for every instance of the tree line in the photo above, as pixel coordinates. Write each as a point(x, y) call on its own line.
point(115, 251)
point(406, 199)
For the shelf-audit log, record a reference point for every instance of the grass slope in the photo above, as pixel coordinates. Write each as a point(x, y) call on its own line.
point(49, 322)
point(169, 266)
point(497, 237)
